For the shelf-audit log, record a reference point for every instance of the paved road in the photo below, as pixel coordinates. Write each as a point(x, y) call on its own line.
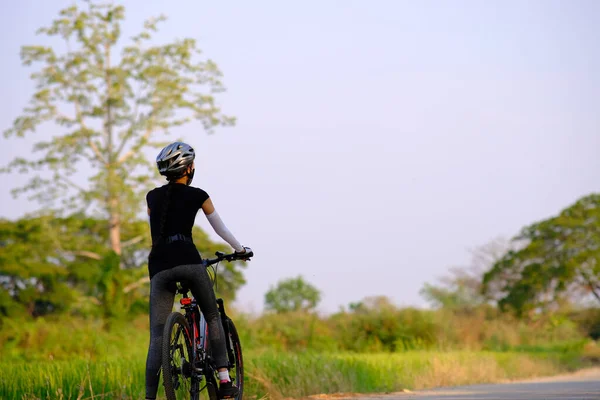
point(581, 386)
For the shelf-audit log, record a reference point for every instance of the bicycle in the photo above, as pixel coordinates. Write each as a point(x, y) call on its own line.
point(187, 363)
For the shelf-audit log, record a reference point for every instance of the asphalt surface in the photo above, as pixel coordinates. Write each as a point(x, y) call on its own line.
point(581, 386)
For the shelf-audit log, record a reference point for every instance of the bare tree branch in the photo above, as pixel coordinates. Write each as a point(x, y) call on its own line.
point(132, 152)
point(88, 254)
point(590, 285)
point(133, 120)
point(71, 183)
point(136, 284)
point(96, 150)
point(91, 143)
point(133, 241)
point(80, 120)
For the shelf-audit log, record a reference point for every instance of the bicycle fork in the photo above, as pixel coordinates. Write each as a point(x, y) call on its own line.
point(225, 323)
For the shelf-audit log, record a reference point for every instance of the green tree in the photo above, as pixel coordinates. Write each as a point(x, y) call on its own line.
point(461, 288)
point(104, 102)
point(371, 303)
point(292, 294)
point(50, 263)
point(556, 259)
point(36, 269)
point(377, 324)
point(58, 264)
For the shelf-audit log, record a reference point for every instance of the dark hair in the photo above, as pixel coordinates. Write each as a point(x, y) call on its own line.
point(165, 211)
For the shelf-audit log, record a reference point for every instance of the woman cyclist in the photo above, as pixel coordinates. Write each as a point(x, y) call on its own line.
point(174, 258)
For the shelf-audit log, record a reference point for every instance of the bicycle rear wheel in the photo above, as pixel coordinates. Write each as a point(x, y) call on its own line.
point(176, 358)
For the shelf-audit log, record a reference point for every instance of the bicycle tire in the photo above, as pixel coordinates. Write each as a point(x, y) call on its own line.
point(172, 373)
point(238, 362)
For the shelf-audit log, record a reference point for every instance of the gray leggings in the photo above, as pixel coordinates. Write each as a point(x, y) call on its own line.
point(162, 296)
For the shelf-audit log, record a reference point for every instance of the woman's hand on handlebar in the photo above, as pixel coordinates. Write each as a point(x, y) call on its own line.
point(246, 254)
point(243, 256)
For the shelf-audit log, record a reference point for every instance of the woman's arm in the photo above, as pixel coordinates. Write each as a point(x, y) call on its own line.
point(219, 227)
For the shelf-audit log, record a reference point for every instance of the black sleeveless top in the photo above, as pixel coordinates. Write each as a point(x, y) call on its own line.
point(184, 203)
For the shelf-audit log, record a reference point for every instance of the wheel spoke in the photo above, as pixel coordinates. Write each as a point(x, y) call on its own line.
point(177, 374)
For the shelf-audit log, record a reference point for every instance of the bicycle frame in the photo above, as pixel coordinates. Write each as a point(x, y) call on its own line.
point(199, 326)
point(202, 365)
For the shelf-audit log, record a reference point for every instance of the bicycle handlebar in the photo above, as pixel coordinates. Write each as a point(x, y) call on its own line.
point(228, 257)
point(183, 288)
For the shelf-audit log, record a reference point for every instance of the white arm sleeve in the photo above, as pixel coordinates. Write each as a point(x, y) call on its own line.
point(221, 230)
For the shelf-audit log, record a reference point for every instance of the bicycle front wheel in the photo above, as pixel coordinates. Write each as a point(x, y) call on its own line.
point(236, 360)
point(176, 358)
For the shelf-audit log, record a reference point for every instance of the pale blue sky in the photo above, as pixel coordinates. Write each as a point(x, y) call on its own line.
point(377, 140)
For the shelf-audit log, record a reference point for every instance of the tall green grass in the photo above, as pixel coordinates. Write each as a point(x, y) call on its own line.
point(388, 330)
point(296, 375)
point(291, 355)
point(281, 375)
point(67, 338)
point(76, 379)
